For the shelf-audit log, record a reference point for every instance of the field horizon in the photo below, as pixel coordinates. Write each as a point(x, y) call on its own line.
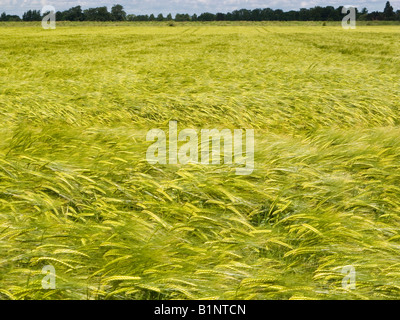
point(359, 23)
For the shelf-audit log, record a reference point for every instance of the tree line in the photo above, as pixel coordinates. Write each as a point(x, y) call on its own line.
point(118, 13)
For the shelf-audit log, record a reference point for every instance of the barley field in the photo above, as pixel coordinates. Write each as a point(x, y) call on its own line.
point(77, 193)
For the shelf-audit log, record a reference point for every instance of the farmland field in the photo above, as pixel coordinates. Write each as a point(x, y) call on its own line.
point(77, 193)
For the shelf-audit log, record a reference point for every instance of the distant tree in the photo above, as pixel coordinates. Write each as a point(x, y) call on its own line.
point(245, 14)
point(388, 12)
point(118, 13)
point(220, 16)
point(279, 15)
point(103, 14)
point(363, 14)
point(97, 14)
point(90, 14)
point(72, 14)
point(59, 16)
point(328, 13)
point(31, 15)
point(9, 17)
point(292, 15)
point(267, 14)
point(27, 16)
point(206, 16)
point(182, 17)
point(36, 15)
point(376, 15)
point(256, 15)
point(304, 14)
point(138, 17)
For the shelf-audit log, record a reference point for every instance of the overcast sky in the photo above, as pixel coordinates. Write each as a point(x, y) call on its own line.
point(188, 6)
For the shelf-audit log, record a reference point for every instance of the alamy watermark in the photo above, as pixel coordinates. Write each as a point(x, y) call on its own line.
point(49, 280)
point(49, 20)
point(349, 21)
point(188, 152)
point(349, 280)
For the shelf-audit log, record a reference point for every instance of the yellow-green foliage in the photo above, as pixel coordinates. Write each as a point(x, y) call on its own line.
point(77, 192)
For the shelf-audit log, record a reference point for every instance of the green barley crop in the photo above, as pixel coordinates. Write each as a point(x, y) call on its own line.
point(77, 192)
